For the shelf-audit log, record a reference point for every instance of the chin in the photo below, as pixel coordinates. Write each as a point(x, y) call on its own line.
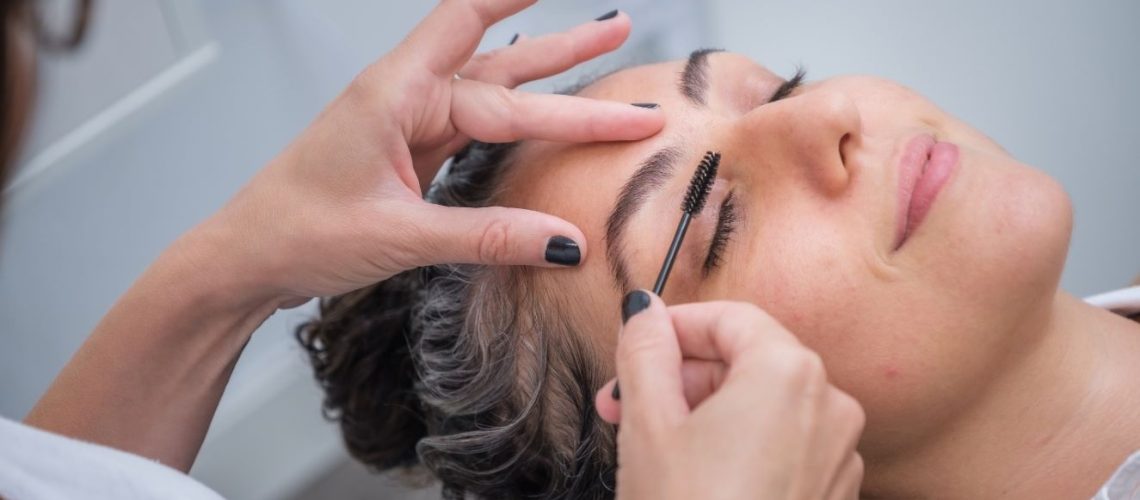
point(1039, 216)
point(1011, 238)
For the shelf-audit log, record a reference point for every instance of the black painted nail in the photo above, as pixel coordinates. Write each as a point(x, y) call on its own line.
point(514, 39)
point(633, 303)
point(647, 105)
point(608, 15)
point(617, 392)
point(563, 251)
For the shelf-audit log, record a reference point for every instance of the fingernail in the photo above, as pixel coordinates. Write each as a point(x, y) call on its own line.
point(608, 15)
point(633, 303)
point(563, 251)
point(647, 105)
point(617, 392)
point(514, 39)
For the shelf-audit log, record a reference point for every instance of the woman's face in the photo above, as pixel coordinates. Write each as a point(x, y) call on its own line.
point(816, 218)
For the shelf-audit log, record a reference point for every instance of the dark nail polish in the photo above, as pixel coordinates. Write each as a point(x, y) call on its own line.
point(647, 105)
point(633, 303)
point(608, 15)
point(514, 39)
point(617, 392)
point(563, 251)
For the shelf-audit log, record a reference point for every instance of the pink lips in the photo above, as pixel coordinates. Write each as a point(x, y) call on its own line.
point(924, 168)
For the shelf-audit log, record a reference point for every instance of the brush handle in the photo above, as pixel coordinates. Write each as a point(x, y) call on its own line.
point(666, 268)
point(674, 248)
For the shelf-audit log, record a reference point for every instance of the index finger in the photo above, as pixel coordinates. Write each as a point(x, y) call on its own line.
point(726, 331)
point(491, 113)
point(448, 37)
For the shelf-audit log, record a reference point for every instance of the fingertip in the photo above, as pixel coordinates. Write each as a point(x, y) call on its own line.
point(623, 25)
point(565, 244)
point(562, 251)
point(608, 409)
point(637, 302)
point(634, 122)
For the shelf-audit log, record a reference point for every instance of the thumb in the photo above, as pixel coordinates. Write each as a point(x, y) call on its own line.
point(496, 236)
point(649, 364)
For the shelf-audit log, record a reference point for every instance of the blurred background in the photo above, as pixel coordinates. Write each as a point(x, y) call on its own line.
point(171, 105)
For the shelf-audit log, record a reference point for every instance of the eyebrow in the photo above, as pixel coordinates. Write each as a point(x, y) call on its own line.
point(694, 79)
point(651, 176)
point(653, 172)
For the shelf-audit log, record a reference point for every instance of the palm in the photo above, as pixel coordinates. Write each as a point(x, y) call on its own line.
point(352, 211)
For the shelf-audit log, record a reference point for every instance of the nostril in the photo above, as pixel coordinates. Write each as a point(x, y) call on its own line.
point(843, 142)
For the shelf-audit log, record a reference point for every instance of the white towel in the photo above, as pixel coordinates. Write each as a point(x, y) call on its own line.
point(39, 465)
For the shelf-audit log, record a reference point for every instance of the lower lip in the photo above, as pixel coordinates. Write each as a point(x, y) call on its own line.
point(933, 163)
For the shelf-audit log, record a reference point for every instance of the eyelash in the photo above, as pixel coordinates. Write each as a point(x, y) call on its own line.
point(790, 85)
point(726, 221)
point(725, 226)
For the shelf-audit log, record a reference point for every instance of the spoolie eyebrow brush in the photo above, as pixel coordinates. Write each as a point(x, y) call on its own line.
point(699, 188)
point(695, 198)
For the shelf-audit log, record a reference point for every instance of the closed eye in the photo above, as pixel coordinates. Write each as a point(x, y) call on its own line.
point(727, 218)
point(725, 225)
point(790, 85)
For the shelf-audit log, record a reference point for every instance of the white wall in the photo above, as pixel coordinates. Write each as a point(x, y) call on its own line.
point(1054, 81)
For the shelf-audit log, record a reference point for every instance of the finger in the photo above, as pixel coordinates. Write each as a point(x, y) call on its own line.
point(532, 59)
point(446, 39)
point(844, 418)
point(608, 408)
point(700, 379)
point(849, 479)
point(494, 236)
point(649, 365)
point(726, 331)
point(491, 113)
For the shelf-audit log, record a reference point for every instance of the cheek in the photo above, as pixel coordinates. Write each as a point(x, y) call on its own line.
point(804, 270)
point(913, 348)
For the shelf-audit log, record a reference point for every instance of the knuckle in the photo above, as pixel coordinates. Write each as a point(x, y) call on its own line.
point(802, 368)
point(495, 242)
point(858, 468)
point(478, 66)
point(480, 10)
point(503, 103)
point(737, 318)
point(851, 412)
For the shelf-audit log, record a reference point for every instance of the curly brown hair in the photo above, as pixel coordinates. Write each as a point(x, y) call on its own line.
point(18, 79)
point(475, 374)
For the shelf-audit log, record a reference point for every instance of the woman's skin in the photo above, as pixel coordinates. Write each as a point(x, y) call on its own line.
point(979, 377)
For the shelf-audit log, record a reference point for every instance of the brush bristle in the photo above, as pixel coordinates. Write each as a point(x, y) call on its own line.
point(701, 184)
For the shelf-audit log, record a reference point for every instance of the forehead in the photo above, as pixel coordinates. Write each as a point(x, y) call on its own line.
point(580, 182)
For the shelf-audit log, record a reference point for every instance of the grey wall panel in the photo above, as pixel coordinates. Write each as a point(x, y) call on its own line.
point(1052, 81)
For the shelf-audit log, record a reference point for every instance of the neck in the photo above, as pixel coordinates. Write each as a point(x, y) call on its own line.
point(1053, 424)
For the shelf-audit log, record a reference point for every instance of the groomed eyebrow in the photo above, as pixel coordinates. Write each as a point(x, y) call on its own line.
point(694, 79)
point(654, 171)
point(651, 176)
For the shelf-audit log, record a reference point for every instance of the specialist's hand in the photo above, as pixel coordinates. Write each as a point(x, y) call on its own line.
point(342, 207)
point(749, 413)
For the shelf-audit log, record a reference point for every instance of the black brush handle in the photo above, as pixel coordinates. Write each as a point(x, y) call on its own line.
point(674, 248)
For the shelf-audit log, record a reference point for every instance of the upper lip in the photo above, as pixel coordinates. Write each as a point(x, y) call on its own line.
point(911, 163)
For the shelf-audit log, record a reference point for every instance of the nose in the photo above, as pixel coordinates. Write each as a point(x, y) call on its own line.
point(805, 137)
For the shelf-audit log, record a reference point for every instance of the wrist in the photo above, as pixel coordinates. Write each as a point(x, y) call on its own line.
point(215, 270)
